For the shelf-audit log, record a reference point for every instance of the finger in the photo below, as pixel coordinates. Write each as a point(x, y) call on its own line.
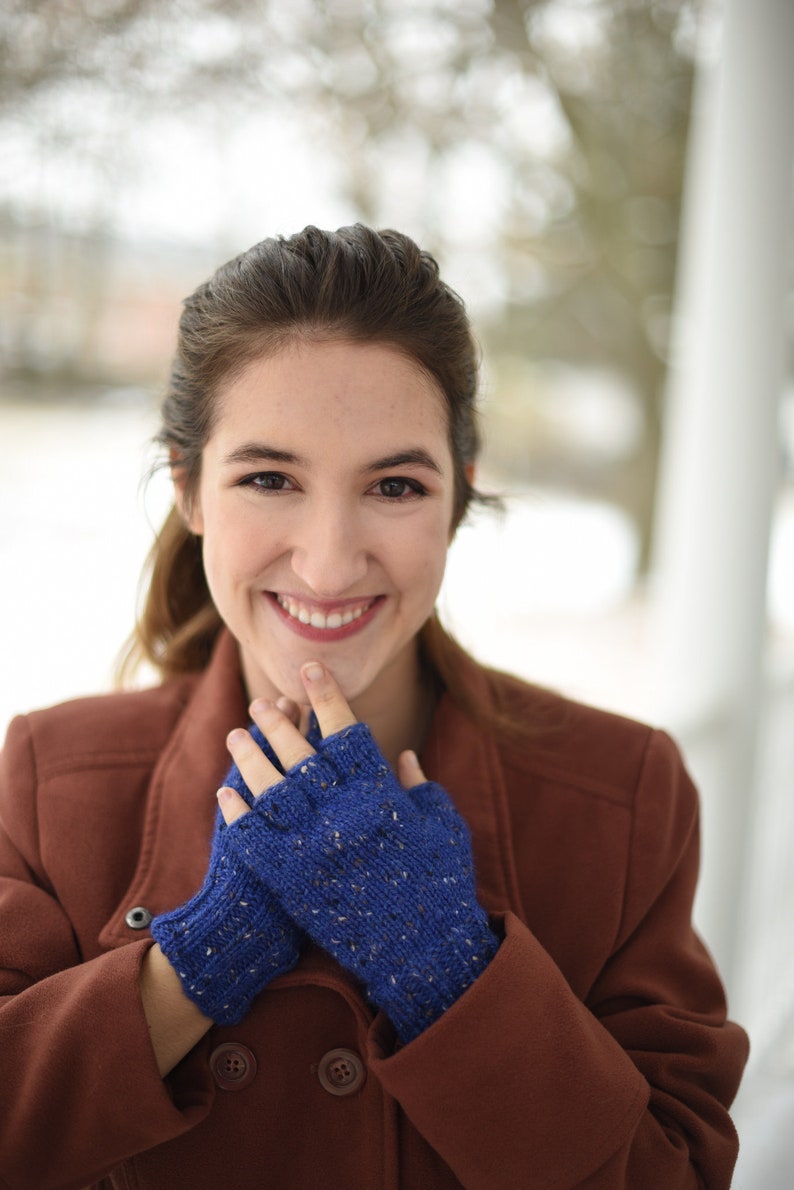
point(329, 703)
point(283, 736)
point(255, 768)
point(290, 709)
point(231, 804)
point(409, 770)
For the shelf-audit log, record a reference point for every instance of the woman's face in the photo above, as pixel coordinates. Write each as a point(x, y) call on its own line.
point(325, 504)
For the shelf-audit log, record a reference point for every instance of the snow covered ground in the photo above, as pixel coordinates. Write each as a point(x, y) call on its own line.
point(74, 529)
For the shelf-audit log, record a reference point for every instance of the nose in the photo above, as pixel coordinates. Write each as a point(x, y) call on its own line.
point(329, 552)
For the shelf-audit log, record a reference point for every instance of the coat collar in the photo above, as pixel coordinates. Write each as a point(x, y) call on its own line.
point(459, 754)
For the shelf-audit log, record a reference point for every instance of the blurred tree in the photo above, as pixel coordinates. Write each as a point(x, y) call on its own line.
point(559, 126)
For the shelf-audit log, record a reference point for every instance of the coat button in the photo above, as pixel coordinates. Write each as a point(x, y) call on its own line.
point(138, 918)
point(233, 1066)
point(341, 1072)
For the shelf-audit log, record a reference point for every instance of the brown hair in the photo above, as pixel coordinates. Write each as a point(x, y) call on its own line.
point(354, 284)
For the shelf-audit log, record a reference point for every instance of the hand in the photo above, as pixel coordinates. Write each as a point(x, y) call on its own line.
point(379, 876)
point(233, 937)
point(234, 779)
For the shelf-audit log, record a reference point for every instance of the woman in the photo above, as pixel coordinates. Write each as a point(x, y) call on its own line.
point(450, 947)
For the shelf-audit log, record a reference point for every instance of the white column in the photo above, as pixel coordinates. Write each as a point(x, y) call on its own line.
point(720, 451)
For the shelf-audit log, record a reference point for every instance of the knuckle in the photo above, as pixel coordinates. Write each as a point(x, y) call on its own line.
point(327, 697)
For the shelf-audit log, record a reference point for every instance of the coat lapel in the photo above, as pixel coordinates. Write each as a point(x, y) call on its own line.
point(181, 806)
point(463, 757)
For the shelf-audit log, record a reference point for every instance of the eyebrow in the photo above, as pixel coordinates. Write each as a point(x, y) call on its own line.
point(260, 452)
point(254, 453)
point(416, 457)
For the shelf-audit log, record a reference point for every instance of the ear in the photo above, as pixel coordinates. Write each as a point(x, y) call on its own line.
point(189, 508)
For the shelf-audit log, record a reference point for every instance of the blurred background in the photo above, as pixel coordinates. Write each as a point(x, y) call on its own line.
point(608, 184)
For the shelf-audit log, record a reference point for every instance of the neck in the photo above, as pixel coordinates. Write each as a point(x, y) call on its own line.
point(399, 706)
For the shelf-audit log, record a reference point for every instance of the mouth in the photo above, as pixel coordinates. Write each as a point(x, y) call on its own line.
point(334, 621)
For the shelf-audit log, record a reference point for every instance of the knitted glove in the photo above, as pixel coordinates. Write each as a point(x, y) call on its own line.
point(380, 877)
point(233, 937)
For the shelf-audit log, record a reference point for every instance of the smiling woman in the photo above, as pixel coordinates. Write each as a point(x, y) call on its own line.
point(434, 927)
point(351, 531)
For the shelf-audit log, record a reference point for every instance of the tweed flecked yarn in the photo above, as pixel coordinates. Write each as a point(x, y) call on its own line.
point(380, 877)
point(233, 937)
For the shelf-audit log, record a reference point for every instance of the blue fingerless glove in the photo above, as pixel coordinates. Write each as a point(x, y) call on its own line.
point(380, 877)
point(233, 937)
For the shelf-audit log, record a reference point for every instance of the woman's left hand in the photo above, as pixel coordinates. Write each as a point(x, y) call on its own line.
point(378, 875)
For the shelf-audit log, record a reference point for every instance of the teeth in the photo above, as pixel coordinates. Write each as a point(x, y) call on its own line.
point(318, 619)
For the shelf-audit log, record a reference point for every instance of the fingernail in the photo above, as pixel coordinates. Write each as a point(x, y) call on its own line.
point(237, 736)
point(313, 671)
point(260, 705)
point(412, 758)
point(224, 794)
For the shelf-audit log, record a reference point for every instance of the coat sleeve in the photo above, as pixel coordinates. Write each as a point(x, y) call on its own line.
point(79, 1086)
point(520, 1083)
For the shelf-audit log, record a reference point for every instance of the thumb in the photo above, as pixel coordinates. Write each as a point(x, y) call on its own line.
point(409, 770)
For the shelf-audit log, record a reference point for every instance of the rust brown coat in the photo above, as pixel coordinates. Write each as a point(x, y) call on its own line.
point(593, 1052)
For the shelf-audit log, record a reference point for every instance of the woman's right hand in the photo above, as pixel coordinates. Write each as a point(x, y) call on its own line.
point(233, 937)
point(178, 1019)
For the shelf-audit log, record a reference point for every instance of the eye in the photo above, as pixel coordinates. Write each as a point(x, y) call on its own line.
point(267, 481)
point(396, 489)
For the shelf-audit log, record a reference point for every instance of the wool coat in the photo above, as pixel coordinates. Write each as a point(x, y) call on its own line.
point(593, 1052)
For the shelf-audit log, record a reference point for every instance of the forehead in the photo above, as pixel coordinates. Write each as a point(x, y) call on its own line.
point(330, 388)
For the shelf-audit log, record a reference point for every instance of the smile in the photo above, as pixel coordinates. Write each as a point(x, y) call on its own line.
point(325, 622)
point(312, 617)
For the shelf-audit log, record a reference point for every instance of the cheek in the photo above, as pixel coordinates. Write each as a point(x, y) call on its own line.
point(235, 545)
point(418, 562)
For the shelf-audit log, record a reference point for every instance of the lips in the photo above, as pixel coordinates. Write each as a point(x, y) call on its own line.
point(333, 621)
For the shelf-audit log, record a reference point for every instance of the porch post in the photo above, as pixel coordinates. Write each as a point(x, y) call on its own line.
point(719, 467)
